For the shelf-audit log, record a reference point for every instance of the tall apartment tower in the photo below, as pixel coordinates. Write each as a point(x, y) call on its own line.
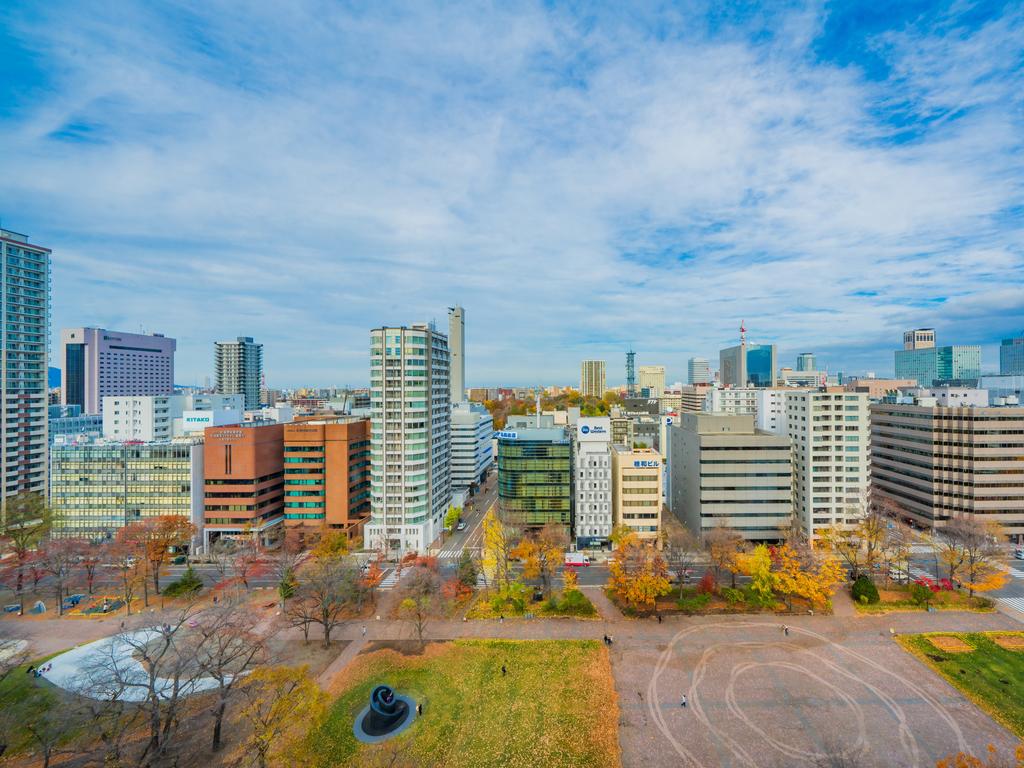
point(698, 371)
point(239, 369)
point(652, 378)
point(457, 350)
point(24, 365)
point(98, 363)
point(592, 378)
point(1011, 357)
point(410, 443)
point(830, 435)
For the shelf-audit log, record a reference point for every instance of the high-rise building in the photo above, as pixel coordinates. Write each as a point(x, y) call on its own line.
point(535, 477)
point(748, 364)
point(592, 380)
point(327, 475)
point(410, 452)
point(728, 474)
point(457, 351)
point(239, 369)
point(697, 371)
point(98, 363)
point(1011, 357)
point(244, 483)
point(593, 488)
point(97, 489)
point(926, 363)
point(829, 431)
point(25, 346)
point(472, 435)
point(652, 380)
point(152, 418)
point(941, 462)
point(636, 491)
point(805, 362)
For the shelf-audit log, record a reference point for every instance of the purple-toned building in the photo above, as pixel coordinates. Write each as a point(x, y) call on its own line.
point(97, 363)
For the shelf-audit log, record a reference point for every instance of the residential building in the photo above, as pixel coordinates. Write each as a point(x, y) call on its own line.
point(238, 365)
point(67, 422)
point(327, 475)
point(770, 411)
point(698, 371)
point(592, 440)
point(592, 378)
point(726, 473)
point(25, 346)
point(1011, 357)
point(622, 428)
point(472, 434)
point(154, 418)
point(805, 362)
point(99, 488)
point(926, 363)
point(244, 483)
point(738, 400)
point(410, 437)
point(98, 363)
point(939, 462)
point(535, 477)
point(651, 380)
point(636, 491)
point(457, 352)
point(830, 433)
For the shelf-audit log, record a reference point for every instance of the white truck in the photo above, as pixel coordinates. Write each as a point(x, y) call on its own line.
point(576, 560)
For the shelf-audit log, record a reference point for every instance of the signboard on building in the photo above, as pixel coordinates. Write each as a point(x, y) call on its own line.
point(646, 463)
point(594, 429)
point(506, 435)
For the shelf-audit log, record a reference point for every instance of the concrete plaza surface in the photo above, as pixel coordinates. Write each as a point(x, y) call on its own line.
point(758, 698)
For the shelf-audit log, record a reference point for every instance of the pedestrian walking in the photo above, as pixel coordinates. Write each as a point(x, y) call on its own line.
point(419, 709)
point(501, 619)
point(785, 630)
point(504, 671)
point(364, 630)
point(682, 701)
point(659, 618)
point(122, 626)
point(31, 669)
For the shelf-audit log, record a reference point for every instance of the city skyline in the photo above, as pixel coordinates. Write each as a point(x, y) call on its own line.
point(591, 181)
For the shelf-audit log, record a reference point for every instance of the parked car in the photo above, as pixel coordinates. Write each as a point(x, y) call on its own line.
point(1019, 553)
point(898, 574)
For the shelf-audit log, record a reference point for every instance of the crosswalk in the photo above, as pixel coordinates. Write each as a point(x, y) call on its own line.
point(919, 573)
point(1017, 603)
point(1017, 574)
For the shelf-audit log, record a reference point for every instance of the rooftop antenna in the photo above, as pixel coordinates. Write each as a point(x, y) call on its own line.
point(631, 372)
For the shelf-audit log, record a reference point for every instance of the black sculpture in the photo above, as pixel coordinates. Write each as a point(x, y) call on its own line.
point(387, 715)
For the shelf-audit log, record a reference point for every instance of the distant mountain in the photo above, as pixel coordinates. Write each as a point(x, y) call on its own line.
point(54, 377)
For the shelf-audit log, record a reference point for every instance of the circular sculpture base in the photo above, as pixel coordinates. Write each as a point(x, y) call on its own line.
point(387, 715)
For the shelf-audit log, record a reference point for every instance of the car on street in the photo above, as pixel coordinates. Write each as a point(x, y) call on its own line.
point(461, 526)
point(576, 560)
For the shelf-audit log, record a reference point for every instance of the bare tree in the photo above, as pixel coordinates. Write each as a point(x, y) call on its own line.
point(228, 647)
point(331, 587)
point(50, 731)
point(103, 702)
point(420, 597)
point(283, 565)
point(59, 558)
point(680, 551)
point(301, 612)
point(979, 550)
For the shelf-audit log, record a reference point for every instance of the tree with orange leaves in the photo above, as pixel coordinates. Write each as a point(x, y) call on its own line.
point(542, 555)
point(154, 538)
point(637, 574)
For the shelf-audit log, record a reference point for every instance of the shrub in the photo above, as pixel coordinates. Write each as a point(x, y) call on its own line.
point(756, 599)
point(575, 603)
point(707, 583)
point(864, 587)
point(693, 604)
point(732, 596)
point(189, 584)
point(920, 593)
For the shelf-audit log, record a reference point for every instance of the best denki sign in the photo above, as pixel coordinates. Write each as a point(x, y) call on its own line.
point(646, 463)
point(506, 435)
point(594, 429)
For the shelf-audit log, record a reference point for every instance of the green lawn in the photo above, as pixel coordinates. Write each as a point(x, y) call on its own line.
point(24, 699)
point(556, 708)
point(990, 676)
point(896, 597)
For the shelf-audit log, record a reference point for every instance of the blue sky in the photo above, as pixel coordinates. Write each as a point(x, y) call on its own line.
point(580, 177)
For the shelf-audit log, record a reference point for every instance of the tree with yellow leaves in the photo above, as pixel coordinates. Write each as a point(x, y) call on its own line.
point(282, 704)
point(977, 542)
point(637, 575)
point(497, 550)
point(804, 576)
point(758, 566)
point(965, 760)
point(724, 547)
point(542, 555)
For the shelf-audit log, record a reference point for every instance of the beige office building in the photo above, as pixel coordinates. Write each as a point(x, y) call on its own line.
point(939, 462)
point(691, 397)
point(636, 491)
point(830, 434)
point(592, 378)
point(651, 378)
point(728, 474)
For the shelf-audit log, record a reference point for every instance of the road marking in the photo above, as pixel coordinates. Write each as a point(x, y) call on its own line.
point(1017, 603)
point(1015, 573)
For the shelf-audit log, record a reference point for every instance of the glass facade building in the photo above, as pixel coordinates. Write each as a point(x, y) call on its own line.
point(95, 490)
point(933, 364)
point(535, 477)
point(1011, 357)
point(761, 365)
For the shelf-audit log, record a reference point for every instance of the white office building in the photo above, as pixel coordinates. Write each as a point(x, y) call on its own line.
point(25, 360)
point(698, 371)
point(732, 401)
point(592, 454)
point(152, 418)
point(472, 434)
point(770, 411)
point(830, 434)
point(410, 444)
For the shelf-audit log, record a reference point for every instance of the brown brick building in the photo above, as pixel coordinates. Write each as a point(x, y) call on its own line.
point(327, 474)
point(244, 482)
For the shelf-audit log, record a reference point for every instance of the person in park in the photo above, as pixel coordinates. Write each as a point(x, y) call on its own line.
point(682, 701)
point(504, 671)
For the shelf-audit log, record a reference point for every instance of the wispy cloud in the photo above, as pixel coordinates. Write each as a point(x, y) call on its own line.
point(578, 180)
